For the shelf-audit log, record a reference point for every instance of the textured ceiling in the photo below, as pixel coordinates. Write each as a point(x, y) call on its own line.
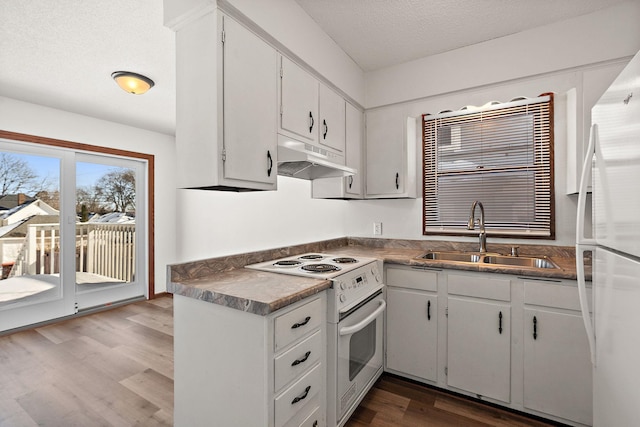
point(380, 33)
point(61, 53)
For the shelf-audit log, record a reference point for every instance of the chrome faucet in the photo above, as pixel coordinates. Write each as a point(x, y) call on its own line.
point(471, 225)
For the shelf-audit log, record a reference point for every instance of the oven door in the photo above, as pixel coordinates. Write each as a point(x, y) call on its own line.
point(359, 351)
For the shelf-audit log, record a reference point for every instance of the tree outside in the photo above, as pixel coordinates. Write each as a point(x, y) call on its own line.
point(111, 191)
point(17, 176)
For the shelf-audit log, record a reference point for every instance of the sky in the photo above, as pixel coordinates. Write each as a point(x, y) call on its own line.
point(87, 174)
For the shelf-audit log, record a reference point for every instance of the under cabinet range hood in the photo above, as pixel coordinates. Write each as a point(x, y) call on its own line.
point(300, 160)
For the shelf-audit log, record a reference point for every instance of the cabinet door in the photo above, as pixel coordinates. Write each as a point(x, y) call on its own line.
point(332, 119)
point(250, 106)
point(353, 136)
point(386, 153)
point(412, 332)
point(298, 101)
point(557, 365)
point(479, 347)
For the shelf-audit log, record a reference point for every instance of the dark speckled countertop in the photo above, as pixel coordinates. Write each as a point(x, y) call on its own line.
point(225, 281)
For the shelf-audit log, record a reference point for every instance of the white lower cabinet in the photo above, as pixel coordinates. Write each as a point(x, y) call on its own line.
point(557, 364)
point(514, 341)
point(412, 323)
point(234, 368)
point(479, 347)
point(479, 335)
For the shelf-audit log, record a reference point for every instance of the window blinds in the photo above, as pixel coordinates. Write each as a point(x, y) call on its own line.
point(500, 155)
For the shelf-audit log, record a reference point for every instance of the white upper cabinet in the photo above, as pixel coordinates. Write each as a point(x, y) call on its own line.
point(391, 154)
point(249, 112)
point(332, 119)
point(350, 187)
point(354, 127)
point(298, 102)
point(577, 104)
point(226, 129)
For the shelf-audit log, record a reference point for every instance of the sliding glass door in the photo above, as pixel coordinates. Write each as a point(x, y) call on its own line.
point(110, 208)
point(72, 232)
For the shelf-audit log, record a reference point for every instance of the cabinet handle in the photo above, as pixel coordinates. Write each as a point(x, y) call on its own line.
point(350, 180)
point(311, 122)
point(270, 163)
point(500, 322)
point(302, 360)
point(397, 180)
point(304, 322)
point(302, 396)
point(326, 129)
point(315, 423)
point(429, 310)
point(535, 328)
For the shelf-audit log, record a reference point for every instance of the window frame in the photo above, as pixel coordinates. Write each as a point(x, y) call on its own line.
point(432, 222)
point(95, 149)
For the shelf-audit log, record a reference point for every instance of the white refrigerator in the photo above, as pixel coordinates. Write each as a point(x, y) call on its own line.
point(613, 166)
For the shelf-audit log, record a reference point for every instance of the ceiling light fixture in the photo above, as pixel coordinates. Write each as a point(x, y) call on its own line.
point(132, 82)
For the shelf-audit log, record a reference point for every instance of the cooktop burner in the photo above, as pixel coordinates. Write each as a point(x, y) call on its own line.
point(311, 257)
point(344, 260)
point(313, 264)
point(287, 263)
point(320, 268)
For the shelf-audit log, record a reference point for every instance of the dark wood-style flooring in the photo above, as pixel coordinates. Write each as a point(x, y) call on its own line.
point(397, 402)
point(115, 368)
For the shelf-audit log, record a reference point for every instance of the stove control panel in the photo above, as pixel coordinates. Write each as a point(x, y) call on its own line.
point(354, 286)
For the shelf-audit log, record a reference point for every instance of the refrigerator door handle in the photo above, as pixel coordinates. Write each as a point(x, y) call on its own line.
point(582, 194)
point(582, 295)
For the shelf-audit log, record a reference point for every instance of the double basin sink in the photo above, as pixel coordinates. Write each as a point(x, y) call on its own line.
point(490, 259)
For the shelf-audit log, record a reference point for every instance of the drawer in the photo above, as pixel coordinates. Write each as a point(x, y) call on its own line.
point(316, 419)
point(295, 399)
point(297, 323)
point(414, 279)
point(556, 295)
point(479, 286)
point(297, 360)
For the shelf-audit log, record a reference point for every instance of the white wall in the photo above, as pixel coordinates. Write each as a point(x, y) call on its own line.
point(585, 53)
point(22, 117)
point(605, 35)
point(215, 223)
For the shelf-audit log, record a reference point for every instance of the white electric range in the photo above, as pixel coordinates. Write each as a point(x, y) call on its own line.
point(354, 323)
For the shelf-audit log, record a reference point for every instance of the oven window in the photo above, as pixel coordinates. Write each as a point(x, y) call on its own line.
point(362, 347)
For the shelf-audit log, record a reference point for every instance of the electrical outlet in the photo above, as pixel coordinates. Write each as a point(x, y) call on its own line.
point(377, 228)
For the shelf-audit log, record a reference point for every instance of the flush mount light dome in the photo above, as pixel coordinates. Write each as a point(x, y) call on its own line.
point(132, 82)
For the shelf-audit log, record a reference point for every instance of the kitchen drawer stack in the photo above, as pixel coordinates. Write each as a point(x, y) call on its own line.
point(236, 368)
point(299, 366)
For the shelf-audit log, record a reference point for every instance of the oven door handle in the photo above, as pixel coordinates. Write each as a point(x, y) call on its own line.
point(348, 330)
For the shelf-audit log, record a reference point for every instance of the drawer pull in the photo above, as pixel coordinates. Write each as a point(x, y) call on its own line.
point(304, 359)
point(297, 325)
point(302, 396)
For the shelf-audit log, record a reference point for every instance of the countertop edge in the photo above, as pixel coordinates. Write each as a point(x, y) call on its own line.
point(202, 283)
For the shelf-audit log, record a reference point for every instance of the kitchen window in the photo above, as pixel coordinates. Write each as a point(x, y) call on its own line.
point(500, 154)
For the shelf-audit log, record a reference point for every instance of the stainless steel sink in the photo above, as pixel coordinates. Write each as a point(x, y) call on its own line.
point(519, 261)
point(489, 258)
point(452, 256)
